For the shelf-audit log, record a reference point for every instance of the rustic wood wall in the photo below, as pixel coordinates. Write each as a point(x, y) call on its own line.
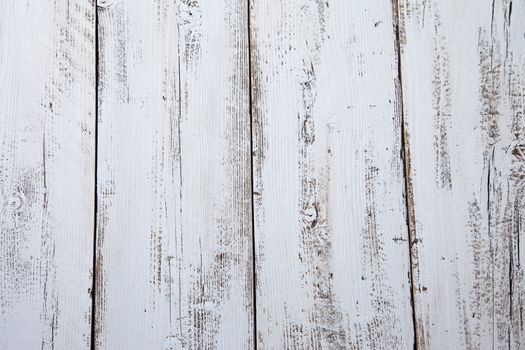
point(239, 174)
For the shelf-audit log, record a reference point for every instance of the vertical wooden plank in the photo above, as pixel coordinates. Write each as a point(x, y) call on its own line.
point(332, 260)
point(463, 69)
point(174, 236)
point(47, 162)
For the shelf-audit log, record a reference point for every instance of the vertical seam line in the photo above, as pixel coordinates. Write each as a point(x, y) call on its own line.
point(252, 175)
point(405, 156)
point(95, 206)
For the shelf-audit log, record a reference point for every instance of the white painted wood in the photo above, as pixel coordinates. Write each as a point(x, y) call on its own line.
point(463, 72)
point(332, 258)
point(47, 162)
point(330, 118)
point(174, 266)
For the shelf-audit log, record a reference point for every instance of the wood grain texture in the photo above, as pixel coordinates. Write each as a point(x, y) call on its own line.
point(174, 261)
point(47, 162)
point(463, 66)
point(332, 259)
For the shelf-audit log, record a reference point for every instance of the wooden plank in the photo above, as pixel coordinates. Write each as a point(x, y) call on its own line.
point(463, 72)
point(174, 265)
point(332, 260)
point(47, 162)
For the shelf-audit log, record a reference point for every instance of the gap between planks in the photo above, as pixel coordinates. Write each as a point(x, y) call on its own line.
point(250, 110)
point(95, 187)
point(405, 157)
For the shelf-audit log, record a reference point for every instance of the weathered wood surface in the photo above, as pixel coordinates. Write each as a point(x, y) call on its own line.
point(463, 72)
point(332, 258)
point(47, 162)
point(386, 145)
point(174, 265)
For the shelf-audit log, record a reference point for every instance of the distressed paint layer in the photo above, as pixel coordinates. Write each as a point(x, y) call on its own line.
point(468, 56)
point(174, 237)
point(332, 260)
point(47, 162)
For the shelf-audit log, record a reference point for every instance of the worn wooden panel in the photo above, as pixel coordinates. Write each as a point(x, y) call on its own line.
point(174, 265)
point(463, 72)
point(47, 162)
point(332, 260)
